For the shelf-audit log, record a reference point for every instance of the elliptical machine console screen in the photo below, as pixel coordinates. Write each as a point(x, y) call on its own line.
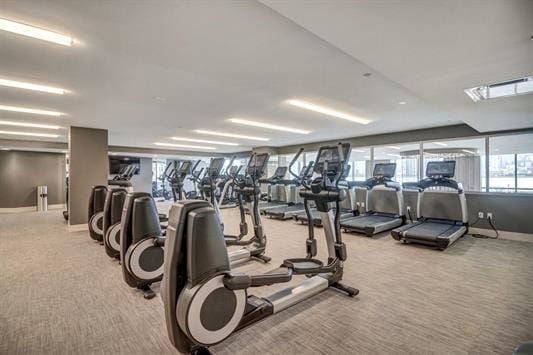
point(185, 166)
point(441, 168)
point(215, 166)
point(385, 169)
point(331, 154)
point(257, 164)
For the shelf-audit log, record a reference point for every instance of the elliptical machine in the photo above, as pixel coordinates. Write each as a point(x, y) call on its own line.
point(141, 242)
point(247, 191)
point(98, 196)
point(205, 302)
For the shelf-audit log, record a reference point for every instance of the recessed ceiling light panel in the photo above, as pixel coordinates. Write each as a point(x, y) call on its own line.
point(35, 32)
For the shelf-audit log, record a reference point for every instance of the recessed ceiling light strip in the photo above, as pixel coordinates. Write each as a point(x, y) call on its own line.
point(230, 135)
point(202, 141)
point(183, 146)
point(29, 110)
point(34, 32)
point(29, 134)
point(269, 126)
point(327, 111)
point(24, 124)
point(31, 86)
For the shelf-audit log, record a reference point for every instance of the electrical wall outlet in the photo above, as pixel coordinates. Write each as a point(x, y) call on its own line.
point(480, 215)
point(489, 215)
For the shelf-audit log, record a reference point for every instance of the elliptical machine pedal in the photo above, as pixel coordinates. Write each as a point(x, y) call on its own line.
point(148, 293)
point(263, 258)
point(350, 291)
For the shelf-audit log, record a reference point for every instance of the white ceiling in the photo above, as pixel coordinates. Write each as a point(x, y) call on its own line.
point(211, 61)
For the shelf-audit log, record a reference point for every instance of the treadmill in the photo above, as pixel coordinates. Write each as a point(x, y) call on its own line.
point(384, 203)
point(442, 216)
point(345, 212)
point(273, 182)
point(292, 207)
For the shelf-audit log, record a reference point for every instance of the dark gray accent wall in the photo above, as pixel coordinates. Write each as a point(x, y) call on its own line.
point(21, 172)
point(88, 166)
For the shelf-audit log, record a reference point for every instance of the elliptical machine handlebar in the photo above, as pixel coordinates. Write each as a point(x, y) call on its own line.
point(226, 172)
point(293, 161)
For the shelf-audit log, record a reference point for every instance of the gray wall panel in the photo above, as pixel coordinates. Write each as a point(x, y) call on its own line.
point(89, 166)
point(21, 172)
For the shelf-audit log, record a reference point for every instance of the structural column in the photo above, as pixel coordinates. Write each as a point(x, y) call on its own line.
point(88, 166)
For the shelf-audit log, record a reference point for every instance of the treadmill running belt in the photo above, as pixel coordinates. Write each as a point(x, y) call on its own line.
point(364, 221)
point(431, 230)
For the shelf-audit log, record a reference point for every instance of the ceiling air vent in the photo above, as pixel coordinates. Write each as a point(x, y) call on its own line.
point(504, 89)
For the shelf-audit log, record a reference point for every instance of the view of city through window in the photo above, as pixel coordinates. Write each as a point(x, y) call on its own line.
point(510, 162)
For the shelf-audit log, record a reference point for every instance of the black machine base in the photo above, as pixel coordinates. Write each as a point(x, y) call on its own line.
point(148, 292)
point(201, 351)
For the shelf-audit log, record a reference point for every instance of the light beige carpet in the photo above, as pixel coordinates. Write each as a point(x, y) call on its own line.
point(61, 294)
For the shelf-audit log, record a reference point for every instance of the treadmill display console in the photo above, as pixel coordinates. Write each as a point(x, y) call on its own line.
point(384, 170)
point(331, 154)
point(441, 169)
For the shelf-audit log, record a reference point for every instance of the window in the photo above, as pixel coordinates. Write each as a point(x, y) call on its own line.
point(285, 159)
point(360, 164)
point(406, 157)
point(511, 163)
point(469, 156)
point(272, 165)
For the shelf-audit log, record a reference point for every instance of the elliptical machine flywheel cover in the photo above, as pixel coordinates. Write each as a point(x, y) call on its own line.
point(144, 260)
point(96, 226)
point(112, 240)
point(209, 312)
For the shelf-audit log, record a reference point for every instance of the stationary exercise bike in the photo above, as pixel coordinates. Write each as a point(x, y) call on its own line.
point(205, 302)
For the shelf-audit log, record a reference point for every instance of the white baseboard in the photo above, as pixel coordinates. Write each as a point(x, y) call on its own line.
point(522, 237)
point(60, 206)
point(31, 208)
point(78, 227)
point(18, 209)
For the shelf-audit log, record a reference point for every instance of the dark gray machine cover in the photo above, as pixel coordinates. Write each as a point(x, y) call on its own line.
point(139, 220)
point(195, 250)
point(97, 200)
point(114, 203)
